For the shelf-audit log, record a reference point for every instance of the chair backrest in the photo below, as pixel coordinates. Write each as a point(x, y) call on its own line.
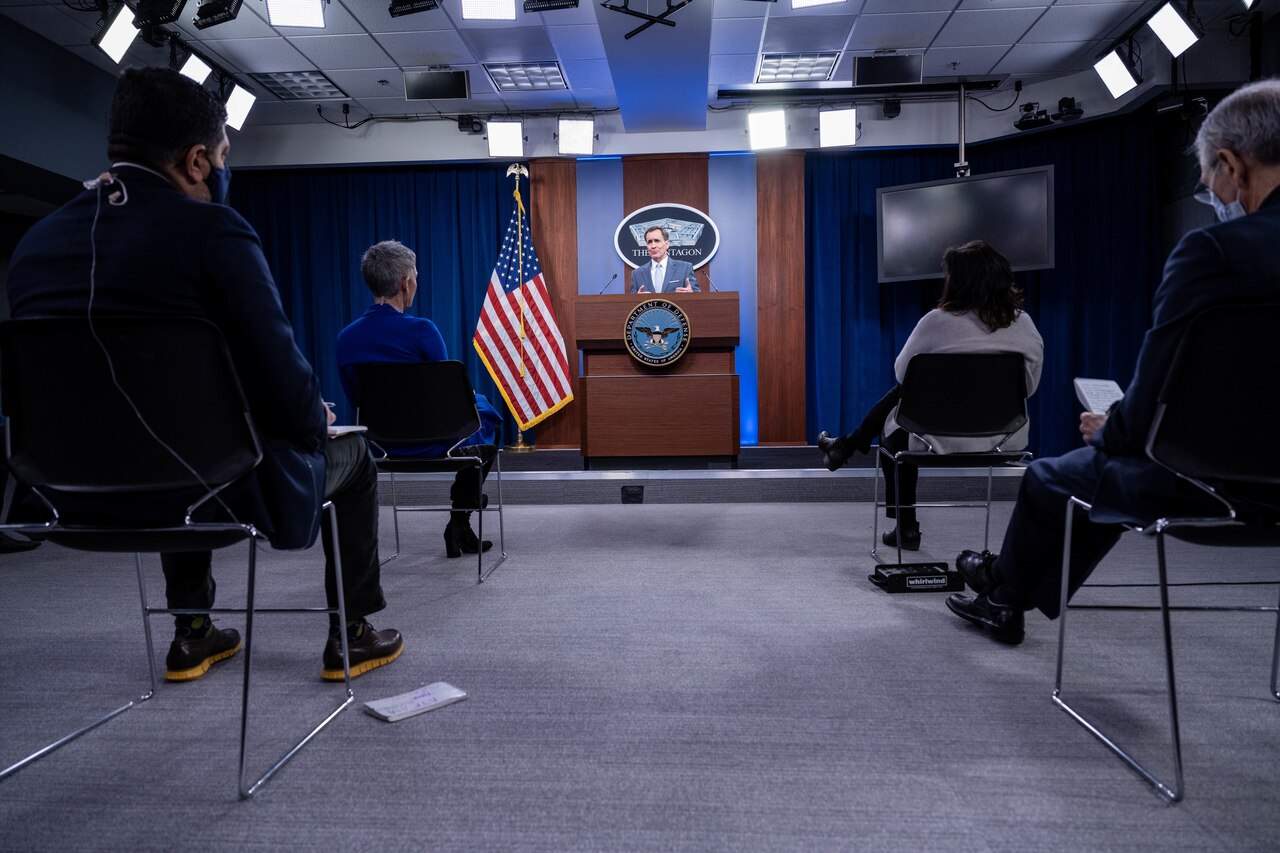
point(129, 404)
point(419, 403)
point(964, 394)
point(1218, 410)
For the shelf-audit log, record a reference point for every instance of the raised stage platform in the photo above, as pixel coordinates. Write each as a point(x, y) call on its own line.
point(762, 475)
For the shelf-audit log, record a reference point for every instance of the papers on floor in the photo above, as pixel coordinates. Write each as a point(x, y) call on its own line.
point(1097, 395)
point(419, 701)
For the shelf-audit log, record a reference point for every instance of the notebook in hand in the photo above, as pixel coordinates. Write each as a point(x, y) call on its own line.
point(1097, 395)
point(336, 430)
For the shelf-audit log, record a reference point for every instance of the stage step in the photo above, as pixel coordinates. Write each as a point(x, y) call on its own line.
point(763, 475)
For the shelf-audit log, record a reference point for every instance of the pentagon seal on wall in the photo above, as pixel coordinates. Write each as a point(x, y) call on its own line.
point(657, 333)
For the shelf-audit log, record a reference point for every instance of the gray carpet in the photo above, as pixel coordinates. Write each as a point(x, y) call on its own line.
point(643, 677)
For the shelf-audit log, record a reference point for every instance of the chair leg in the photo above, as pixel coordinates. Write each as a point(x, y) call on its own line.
point(986, 530)
point(502, 542)
point(110, 715)
point(1172, 794)
point(395, 520)
point(1275, 659)
point(875, 511)
point(247, 790)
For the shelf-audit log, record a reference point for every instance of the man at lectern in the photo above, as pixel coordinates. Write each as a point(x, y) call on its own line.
point(662, 274)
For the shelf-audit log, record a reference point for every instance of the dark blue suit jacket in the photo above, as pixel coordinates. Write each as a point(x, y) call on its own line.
point(384, 334)
point(1234, 262)
point(162, 253)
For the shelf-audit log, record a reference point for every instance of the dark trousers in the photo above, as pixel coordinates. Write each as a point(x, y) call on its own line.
point(467, 488)
point(903, 476)
point(1030, 561)
point(351, 482)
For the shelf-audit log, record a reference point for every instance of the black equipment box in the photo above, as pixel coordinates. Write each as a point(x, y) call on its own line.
point(917, 577)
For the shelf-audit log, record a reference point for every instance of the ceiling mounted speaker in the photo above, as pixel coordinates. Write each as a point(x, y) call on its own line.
point(892, 69)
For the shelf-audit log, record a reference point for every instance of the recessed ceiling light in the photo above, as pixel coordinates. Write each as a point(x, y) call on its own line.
point(796, 67)
point(526, 76)
point(300, 86)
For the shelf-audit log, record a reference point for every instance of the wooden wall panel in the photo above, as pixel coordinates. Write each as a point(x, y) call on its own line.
point(780, 297)
point(657, 178)
point(553, 219)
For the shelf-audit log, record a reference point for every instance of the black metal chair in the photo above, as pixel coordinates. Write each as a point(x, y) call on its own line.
point(128, 430)
point(1211, 429)
point(956, 395)
point(419, 404)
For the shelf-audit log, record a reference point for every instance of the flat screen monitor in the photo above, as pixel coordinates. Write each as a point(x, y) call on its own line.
point(1012, 211)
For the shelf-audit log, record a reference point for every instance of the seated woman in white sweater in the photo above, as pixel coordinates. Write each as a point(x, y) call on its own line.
point(980, 311)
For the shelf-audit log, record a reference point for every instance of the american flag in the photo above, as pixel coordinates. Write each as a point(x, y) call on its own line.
point(517, 336)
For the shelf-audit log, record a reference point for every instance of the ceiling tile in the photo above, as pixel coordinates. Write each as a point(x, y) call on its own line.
point(262, 55)
point(1049, 56)
point(364, 82)
point(795, 34)
point(736, 35)
point(895, 32)
point(440, 47)
point(55, 23)
point(576, 42)
point(1081, 23)
point(587, 74)
point(990, 26)
point(602, 99)
point(732, 69)
point(882, 6)
point(510, 44)
point(969, 60)
point(342, 52)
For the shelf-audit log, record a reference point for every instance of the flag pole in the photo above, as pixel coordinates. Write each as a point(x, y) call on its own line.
point(516, 170)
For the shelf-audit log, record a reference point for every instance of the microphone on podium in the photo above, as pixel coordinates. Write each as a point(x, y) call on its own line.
point(712, 284)
point(606, 285)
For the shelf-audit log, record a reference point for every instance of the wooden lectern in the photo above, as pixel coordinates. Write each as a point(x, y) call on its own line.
point(689, 408)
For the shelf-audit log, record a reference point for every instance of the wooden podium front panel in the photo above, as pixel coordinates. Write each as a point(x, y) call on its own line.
point(600, 321)
point(666, 415)
point(622, 364)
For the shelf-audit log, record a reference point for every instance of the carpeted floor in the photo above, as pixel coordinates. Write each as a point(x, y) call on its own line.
point(644, 677)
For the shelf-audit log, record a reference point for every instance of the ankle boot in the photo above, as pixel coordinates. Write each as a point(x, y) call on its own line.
point(460, 539)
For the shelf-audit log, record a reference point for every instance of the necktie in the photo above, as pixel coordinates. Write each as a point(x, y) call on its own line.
point(657, 277)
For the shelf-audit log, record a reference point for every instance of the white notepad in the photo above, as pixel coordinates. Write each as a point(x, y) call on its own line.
point(1097, 395)
point(419, 701)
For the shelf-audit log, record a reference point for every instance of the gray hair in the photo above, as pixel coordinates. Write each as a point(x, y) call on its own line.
point(1247, 122)
point(385, 265)
point(665, 235)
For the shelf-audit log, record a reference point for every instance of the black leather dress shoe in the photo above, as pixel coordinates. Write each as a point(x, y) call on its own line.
point(368, 649)
point(833, 453)
point(1002, 623)
point(979, 570)
point(910, 538)
point(190, 657)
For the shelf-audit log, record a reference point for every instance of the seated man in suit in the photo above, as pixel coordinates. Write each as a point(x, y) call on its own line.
point(384, 333)
point(662, 274)
point(1232, 262)
point(154, 236)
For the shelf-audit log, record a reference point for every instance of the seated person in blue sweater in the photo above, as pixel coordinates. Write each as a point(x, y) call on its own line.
point(384, 333)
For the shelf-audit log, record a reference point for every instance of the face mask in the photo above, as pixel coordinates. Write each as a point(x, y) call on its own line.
point(218, 182)
point(1226, 212)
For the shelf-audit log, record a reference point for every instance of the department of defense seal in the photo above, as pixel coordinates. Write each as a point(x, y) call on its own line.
point(657, 332)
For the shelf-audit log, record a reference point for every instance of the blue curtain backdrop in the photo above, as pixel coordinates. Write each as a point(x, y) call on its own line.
point(316, 223)
point(1092, 308)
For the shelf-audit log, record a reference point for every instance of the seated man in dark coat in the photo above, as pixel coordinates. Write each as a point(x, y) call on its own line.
point(385, 333)
point(1233, 262)
point(153, 236)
